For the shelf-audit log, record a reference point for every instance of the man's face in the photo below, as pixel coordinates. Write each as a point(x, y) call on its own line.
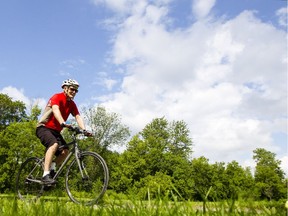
point(70, 91)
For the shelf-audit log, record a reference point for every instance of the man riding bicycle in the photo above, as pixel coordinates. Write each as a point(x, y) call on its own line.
point(54, 117)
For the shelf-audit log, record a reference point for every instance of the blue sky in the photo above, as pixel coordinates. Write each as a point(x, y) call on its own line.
point(219, 65)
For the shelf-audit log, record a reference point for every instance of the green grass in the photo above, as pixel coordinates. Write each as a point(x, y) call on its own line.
point(11, 206)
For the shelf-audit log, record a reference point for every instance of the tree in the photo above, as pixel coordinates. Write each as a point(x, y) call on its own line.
point(107, 129)
point(179, 142)
point(218, 189)
point(162, 140)
point(10, 111)
point(238, 180)
point(202, 175)
point(161, 148)
point(269, 177)
point(109, 134)
point(168, 137)
point(18, 142)
point(35, 112)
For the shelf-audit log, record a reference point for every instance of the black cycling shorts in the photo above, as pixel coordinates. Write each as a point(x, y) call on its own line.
point(49, 136)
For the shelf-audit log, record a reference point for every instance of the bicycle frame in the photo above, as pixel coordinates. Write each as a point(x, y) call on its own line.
point(74, 151)
point(86, 177)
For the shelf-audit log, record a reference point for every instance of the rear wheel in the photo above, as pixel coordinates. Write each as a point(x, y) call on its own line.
point(87, 188)
point(28, 181)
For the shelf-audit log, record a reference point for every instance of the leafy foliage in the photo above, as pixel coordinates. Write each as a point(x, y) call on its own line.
point(202, 177)
point(107, 129)
point(238, 180)
point(269, 178)
point(156, 163)
point(10, 111)
point(161, 149)
point(18, 141)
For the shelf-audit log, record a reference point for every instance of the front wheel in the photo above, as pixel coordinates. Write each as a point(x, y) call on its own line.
point(28, 181)
point(87, 179)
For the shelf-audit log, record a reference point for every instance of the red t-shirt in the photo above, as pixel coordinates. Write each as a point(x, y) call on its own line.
point(66, 107)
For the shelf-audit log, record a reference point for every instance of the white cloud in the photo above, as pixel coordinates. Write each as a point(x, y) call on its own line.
point(122, 7)
point(128, 6)
point(202, 8)
point(284, 162)
point(109, 83)
point(72, 63)
point(282, 14)
point(18, 95)
point(15, 94)
point(104, 80)
point(225, 79)
point(116, 5)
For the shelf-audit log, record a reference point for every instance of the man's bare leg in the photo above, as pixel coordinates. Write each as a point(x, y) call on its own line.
point(49, 156)
point(60, 158)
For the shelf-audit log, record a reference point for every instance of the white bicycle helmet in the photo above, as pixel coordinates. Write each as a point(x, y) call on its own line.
point(70, 82)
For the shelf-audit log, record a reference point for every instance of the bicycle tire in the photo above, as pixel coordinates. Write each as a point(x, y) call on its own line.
point(90, 189)
point(28, 181)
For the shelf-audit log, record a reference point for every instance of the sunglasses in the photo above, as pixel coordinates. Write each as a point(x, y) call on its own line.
point(73, 89)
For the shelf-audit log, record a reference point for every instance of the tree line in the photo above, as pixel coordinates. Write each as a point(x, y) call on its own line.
point(157, 161)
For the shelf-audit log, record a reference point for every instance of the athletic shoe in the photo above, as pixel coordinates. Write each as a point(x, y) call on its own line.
point(47, 180)
point(52, 173)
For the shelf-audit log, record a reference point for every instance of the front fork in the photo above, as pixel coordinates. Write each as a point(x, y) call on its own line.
point(80, 164)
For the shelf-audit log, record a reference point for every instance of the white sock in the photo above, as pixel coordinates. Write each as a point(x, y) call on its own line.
point(53, 166)
point(46, 173)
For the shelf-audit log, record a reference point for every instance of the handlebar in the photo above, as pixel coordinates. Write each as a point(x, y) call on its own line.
point(77, 130)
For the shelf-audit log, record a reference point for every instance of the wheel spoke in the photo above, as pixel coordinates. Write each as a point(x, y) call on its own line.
point(28, 182)
point(90, 187)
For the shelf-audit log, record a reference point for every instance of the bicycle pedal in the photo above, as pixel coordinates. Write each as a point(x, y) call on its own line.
point(85, 178)
point(48, 184)
point(48, 187)
point(27, 181)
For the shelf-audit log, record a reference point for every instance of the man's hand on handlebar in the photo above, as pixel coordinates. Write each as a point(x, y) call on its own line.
point(87, 133)
point(66, 125)
point(69, 126)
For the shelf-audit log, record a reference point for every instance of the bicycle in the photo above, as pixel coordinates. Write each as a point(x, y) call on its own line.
point(86, 178)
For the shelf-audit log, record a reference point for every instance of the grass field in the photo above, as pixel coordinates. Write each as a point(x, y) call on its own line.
point(46, 206)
